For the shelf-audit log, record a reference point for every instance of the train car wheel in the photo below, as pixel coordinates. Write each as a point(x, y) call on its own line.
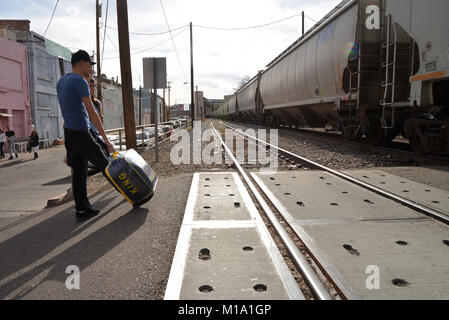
point(417, 145)
point(374, 134)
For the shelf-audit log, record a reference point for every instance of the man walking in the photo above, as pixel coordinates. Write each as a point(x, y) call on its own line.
point(11, 136)
point(77, 108)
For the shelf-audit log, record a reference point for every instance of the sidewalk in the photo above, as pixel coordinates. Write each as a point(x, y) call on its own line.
point(26, 184)
point(123, 253)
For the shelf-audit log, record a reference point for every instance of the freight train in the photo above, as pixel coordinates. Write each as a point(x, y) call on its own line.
point(372, 69)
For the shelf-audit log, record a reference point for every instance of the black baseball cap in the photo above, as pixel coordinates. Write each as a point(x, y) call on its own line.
point(81, 55)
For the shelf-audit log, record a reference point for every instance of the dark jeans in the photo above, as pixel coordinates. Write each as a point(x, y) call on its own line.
point(2, 154)
point(81, 148)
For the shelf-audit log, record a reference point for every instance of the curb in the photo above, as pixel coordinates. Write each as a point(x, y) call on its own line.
point(68, 196)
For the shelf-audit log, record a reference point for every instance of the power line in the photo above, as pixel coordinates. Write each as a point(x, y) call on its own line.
point(160, 43)
point(245, 28)
point(171, 36)
point(147, 48)
point(51, 18)
point(312, 19)
point(104, 36)
point(151, 34)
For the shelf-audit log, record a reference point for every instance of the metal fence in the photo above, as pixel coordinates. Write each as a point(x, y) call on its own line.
point(146, 136)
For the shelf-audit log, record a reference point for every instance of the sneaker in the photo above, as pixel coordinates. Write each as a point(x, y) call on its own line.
point(86, 214)
point(17, 155)
point(10, 158)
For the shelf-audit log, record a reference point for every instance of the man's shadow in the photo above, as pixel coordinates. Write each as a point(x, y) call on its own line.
point(24, 249)
point(14, 162)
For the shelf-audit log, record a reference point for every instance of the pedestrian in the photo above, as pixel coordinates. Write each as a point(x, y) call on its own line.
point(34, 143)
point(11, 137)
point(2, 143)
point(97, 103)
point(77, 109)
point(93, 130)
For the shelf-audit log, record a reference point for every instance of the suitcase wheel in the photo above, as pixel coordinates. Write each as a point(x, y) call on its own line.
point(138, 204)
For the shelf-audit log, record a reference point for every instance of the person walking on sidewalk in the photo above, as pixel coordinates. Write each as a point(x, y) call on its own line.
point(34, 142)
point(11, 136)
point(77, 108)
point(2, 143)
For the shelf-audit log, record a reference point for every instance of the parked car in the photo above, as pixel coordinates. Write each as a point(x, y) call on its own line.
point(150, 131)
point(146, 139)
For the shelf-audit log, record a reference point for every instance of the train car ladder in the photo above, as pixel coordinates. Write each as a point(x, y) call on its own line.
point(355, 78)
point(387, 102)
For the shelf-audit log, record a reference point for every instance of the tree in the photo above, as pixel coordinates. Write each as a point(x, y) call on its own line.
point(242, 82)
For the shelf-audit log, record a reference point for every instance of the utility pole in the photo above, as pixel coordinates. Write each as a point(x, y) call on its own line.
point(303, 23)
point(140, 105)
point(125, 67)
point(192, 112)
point(98, 53)
point(168, 109)
point(198, 114)
point(155, 108)
point(164, 107)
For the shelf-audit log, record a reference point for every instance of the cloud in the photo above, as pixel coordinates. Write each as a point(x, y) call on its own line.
point(221, 58)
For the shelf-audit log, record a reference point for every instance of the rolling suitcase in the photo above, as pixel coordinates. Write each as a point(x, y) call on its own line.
point(131, 175)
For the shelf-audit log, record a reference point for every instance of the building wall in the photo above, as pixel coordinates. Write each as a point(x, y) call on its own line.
point(14, 88)
point(45, 72)
point(44, 69)
point(177, 110)
point(199, 105)
point(113, 107)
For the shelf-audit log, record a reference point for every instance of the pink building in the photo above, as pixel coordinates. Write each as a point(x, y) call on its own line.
point(14, 88)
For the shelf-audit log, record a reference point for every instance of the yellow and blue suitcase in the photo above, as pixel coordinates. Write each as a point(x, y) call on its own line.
point(131, 175)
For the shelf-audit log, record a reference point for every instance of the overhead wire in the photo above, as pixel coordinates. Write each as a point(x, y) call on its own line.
point(171, 36)
point(51, 18)
point(311, 19)
point(146, 48)
point(104, 34)
point(246, 28)
point(151, 34)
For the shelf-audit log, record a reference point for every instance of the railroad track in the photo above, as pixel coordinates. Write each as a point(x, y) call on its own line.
point(396, 149)
point(329, 237)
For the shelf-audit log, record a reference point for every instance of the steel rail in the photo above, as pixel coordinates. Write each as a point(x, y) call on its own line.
point(411, 204)
point(301, 263)
point(383, 149)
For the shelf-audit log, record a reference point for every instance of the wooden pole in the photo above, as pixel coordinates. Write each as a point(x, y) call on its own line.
point(156, 110)
point(127, 83)
point(140, 105)
point(98, 53)
point(164, 107)
point(192, 98)
point(303, 22)
point(168, 109)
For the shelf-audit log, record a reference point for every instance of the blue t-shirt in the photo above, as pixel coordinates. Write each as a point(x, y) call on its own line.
point(71, 89)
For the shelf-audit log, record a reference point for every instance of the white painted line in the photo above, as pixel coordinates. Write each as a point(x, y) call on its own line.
point(175, 279)
point(174, 285)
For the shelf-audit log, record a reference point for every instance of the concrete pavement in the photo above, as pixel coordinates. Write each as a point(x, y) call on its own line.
point(26, 184)
point(121, 254)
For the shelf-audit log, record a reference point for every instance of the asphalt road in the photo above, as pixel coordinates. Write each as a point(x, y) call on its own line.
point(121, 254)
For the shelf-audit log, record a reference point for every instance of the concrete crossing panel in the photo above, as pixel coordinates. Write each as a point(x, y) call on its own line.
point(224, 251)
point(377, 249)
point(428, 196)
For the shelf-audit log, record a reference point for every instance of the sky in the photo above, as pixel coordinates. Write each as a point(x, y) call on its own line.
point(221, 57)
